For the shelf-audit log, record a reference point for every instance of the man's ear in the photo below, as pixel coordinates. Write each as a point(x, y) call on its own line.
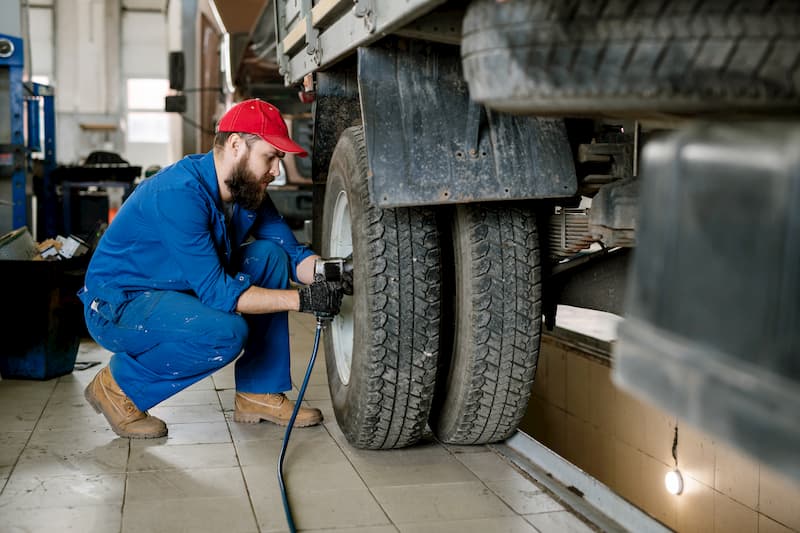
point(236, 143)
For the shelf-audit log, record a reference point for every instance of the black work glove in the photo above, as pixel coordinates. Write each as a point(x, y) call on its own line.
point(323, 298)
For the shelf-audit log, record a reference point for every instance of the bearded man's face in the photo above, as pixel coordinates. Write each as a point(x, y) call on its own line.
point(247, 189)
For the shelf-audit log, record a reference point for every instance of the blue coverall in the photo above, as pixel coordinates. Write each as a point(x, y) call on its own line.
point(162, 285)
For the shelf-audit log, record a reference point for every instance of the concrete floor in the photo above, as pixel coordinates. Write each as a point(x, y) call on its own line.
point(63, 469)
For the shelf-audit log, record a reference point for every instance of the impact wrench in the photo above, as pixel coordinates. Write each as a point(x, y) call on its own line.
point(322, 320)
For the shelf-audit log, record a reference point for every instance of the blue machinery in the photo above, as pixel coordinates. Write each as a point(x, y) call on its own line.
point(15, 153)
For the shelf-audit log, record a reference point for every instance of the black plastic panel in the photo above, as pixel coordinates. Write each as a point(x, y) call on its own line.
point(712, 329)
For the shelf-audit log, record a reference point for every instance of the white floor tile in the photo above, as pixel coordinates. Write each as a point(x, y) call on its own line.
point(63, 469)
point(189, 414)
point(504, 524)
point(77, 519)
point(11, 445)
point(193, 397)
point(91, 451)
point(440, 502)
point(231, 515)
point(416, 465)
point(32, 487)
point(193, 433)
point(558, 522)
point(524, 497)
point(182, 457)
point(184, 484)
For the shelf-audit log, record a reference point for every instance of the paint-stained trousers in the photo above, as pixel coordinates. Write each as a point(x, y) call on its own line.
point(165, 341)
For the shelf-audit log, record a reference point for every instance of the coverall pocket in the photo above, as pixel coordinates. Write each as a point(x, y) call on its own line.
point(106, 310)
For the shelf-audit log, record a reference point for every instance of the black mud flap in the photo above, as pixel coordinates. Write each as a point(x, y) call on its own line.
point(428, 143)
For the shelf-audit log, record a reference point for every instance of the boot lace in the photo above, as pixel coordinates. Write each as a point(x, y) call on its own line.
point(130, 407)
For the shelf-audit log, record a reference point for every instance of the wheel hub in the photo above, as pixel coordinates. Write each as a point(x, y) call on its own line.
point(341, 245)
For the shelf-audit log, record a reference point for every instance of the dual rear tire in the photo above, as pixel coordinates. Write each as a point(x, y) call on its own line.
point(427, 342)
point(642, 58)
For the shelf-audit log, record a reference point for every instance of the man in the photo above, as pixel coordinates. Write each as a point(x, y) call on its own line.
point(194, 269)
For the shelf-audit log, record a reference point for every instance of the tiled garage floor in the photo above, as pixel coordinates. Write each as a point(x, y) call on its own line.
point(63, 469)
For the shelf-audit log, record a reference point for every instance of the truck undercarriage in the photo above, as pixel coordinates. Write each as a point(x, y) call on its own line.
point(484, 163)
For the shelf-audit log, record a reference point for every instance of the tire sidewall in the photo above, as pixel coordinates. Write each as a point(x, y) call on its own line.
point(454, 385)
point(343, 176)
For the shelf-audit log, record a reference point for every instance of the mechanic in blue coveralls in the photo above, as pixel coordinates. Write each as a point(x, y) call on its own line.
point(194, 272)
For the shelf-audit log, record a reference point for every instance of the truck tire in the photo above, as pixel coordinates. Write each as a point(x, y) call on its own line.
point(633, 57)
point(382, 350)
point(484, 387)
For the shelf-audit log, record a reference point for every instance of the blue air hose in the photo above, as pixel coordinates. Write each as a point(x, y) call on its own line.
point(300, 395)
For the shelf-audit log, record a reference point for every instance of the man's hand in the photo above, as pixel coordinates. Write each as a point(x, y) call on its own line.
point(322, 298)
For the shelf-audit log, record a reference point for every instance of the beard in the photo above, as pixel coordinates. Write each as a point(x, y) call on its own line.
point(245, 187)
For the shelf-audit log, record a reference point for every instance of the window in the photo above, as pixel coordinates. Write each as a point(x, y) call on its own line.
point(147, 127)
point(147, 93)
point(147, 122)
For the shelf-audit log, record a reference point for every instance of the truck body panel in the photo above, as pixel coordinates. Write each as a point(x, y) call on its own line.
point(314, 38)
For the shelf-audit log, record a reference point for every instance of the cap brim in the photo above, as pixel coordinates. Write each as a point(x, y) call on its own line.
point(285, 144)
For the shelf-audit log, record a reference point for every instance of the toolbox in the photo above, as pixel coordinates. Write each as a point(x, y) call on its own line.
point(43, 317)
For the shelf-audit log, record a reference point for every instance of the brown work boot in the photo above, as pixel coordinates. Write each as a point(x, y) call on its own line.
point(125, 418)
point(253, 408)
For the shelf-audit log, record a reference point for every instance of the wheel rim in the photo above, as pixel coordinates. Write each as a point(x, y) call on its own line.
point(341, 245)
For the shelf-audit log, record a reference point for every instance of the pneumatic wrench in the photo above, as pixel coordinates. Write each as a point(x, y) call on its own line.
point(334, 270)
point(337, 270)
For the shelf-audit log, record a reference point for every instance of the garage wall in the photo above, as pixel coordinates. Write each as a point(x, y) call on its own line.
point(87, 49)
point(86, 77)
point(10, 19)
point(578, 412)
point(148, 139)
point(42, 50)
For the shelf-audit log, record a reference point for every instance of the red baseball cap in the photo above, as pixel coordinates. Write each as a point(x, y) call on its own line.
point(263, 119)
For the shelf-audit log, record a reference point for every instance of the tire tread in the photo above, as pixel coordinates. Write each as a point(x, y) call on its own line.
point(404, 309)
point(501, 336)
point(653, 55)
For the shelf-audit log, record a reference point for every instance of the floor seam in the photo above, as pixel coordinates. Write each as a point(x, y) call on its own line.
point(30, 436)
point(358, 473)
point(125, 489)
point(228, 422)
